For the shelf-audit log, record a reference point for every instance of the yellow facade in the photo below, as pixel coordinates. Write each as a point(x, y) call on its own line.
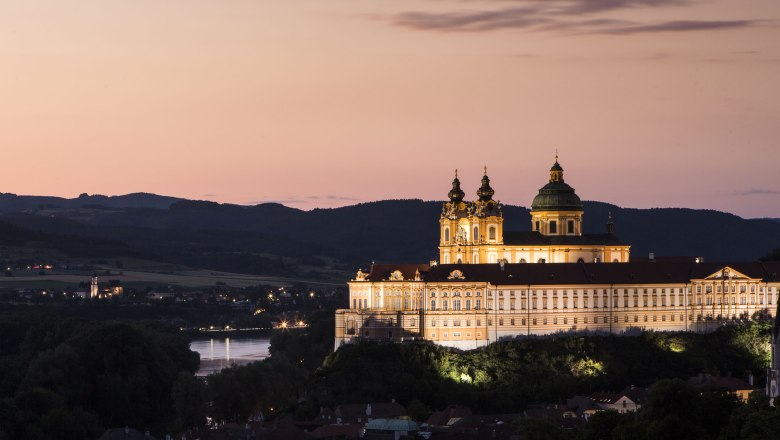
point(468, 313)
point(481, 291)
point(473, 232)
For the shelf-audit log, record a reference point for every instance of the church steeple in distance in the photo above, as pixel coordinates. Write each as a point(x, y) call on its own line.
point(556, 172)
point(485, 192)
point(456, 194)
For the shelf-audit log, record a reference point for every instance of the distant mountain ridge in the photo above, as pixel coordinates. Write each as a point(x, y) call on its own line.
point(12, 202)
point(274, 237)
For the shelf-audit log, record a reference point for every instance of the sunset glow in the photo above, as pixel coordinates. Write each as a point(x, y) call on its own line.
point(317, 103)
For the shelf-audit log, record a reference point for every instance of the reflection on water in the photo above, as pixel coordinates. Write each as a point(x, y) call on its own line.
point(219, 353)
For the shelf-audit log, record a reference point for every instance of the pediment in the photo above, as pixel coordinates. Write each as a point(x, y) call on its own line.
point(727, 273)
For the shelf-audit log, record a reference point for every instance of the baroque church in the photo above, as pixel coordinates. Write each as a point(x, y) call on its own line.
point(490, 284)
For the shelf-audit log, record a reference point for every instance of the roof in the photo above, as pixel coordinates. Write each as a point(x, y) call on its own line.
point(534, 238)
point(444, 417)
point(578, 273)
point(608, 398)
point(381, 272)
point(728, 383)
point(350, 413)
point(347, 431)
point(393, 425)
point(556, 196)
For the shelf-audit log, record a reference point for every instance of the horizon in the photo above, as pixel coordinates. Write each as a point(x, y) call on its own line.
point(356, 203)
point(324, 104)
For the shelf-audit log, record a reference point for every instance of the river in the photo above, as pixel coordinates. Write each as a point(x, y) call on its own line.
point(219, 353)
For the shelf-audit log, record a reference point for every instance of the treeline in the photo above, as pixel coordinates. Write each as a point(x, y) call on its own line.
point(69, 378)
point(509, 376)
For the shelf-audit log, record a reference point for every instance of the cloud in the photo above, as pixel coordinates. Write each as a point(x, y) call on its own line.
point(314, 199)
point(757, 191)
point(570, 16)
point(331, 197)
point(679, 26)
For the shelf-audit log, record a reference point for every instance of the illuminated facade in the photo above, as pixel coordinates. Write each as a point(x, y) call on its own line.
point(473, 232)
point(489, 293)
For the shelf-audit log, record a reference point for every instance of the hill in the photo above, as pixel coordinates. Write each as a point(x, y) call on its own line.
point(274, 239)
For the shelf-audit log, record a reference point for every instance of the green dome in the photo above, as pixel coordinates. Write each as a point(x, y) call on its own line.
point(556, 196)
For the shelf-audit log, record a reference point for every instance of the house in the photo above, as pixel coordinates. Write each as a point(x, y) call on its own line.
point(734, 385)
point(360, 413)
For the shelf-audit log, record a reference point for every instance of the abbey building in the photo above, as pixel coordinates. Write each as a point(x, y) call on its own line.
point(485, 288)
point(473, 232)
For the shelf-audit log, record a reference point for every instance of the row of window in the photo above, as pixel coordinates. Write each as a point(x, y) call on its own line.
point(553, 226)
point(475, 237)
point(591, 320)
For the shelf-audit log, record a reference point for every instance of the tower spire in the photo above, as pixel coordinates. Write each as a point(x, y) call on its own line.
point(485, 192)
point(556, 172)
point(456, 194)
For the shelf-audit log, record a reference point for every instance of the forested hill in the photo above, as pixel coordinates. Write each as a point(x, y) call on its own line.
point(247, 237)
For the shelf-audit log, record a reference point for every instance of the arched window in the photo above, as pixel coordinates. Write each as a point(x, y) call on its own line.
point(476, 235)
point(580, 260)
point(468, 304)
point(433, 304)
point(541, 260)
point(455, 304)
point(445, 259)
point(616, 260)
point(522, 260)
point(444, 305)
point(492, 233)
point(446, 234)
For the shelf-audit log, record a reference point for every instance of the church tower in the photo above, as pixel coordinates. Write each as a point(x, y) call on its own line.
point(468, 227)
point(93, 289)
point(557, 210)
point(454, 225)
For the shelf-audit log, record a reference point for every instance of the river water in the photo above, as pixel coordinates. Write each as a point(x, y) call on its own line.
point(219, 353)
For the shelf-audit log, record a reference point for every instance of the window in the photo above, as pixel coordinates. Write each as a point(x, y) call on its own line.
point(553, 227)
point(446, 234)
point(433, 304)
point(492, 233)
point(541, 260)
point(456, 304)
point(444, 305)
point(476, 235)
point(571, 227)
point(536, 225)
point(468, 304)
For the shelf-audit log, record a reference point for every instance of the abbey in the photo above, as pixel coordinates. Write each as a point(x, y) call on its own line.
point(484, 289)
point(473, 232)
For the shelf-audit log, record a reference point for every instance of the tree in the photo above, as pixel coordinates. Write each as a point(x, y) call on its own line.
point(539, 429)
point(189, 400)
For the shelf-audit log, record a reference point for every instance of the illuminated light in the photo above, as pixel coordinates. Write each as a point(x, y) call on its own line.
point(465, 378)
point(301, 323)
point(311, 294)
point(283, 324)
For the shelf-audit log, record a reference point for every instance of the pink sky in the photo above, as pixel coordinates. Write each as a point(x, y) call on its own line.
point(319, 103)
